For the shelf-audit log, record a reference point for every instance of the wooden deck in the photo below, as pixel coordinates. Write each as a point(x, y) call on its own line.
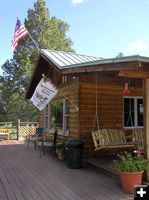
point(24, 176)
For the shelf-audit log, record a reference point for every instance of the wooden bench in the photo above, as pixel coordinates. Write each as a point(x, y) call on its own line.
point(4, 133)
point(111, 138)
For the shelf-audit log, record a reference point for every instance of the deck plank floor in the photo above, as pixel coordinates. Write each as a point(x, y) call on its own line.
point(26, 176)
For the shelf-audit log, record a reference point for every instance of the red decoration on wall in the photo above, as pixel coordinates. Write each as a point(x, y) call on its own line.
point(126, 90)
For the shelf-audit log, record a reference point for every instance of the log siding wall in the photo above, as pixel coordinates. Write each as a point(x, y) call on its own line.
point(71, 92)
point(110, 105)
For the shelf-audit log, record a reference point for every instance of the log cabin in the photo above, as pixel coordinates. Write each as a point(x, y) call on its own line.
point(94, 93)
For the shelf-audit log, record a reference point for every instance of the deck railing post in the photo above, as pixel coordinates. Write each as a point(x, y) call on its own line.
point(18, 125)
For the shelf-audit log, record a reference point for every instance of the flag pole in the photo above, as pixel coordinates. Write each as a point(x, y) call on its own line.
point(36, 45)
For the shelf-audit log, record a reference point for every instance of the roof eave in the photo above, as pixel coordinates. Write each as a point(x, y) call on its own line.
point(31, 86)
point(110, 61)
point(102, 67)
point(49, 60)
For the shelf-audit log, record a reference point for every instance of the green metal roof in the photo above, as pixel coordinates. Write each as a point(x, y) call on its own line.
point(65, 60)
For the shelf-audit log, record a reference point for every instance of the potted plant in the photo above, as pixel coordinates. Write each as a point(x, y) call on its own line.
point(131, 167)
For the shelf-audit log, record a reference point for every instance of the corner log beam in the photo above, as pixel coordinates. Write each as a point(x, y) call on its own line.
point(146, 123)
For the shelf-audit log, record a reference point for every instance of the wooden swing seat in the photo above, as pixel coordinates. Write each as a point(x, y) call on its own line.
point(111, 138)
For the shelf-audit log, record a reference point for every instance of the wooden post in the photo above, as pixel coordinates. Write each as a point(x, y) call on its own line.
point(146, 123)
point(18, 125)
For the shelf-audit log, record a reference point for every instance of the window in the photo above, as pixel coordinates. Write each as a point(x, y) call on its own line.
point(133, 111)
point(58, 115)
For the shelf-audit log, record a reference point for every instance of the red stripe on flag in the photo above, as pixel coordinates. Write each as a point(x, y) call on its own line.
point(18, 35)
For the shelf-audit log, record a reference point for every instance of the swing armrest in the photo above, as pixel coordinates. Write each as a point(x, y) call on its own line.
point(100, 138)
point(98, 134)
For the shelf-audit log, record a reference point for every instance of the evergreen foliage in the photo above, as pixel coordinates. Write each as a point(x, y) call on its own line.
point(49, 33)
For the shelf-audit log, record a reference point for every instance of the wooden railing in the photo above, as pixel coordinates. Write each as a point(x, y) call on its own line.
point(19, 130)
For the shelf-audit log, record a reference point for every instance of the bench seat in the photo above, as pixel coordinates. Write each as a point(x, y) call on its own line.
point(111, 138)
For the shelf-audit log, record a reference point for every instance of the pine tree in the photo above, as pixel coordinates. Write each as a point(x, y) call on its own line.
point(49, 33)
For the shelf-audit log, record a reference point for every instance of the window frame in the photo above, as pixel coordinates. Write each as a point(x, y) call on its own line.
point(135, 98)
point(65, 123)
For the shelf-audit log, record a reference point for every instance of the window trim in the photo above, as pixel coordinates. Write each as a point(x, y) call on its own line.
point(135, 112)
point(47, 115)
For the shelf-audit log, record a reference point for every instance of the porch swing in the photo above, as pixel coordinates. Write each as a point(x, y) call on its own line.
point(107, 138)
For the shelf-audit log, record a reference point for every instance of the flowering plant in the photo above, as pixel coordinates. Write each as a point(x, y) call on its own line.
point(130, 162)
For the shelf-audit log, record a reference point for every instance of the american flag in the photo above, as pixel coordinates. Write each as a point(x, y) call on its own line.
point(19, 33)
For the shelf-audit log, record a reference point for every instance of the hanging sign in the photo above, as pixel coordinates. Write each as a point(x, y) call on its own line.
point(44, 93)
